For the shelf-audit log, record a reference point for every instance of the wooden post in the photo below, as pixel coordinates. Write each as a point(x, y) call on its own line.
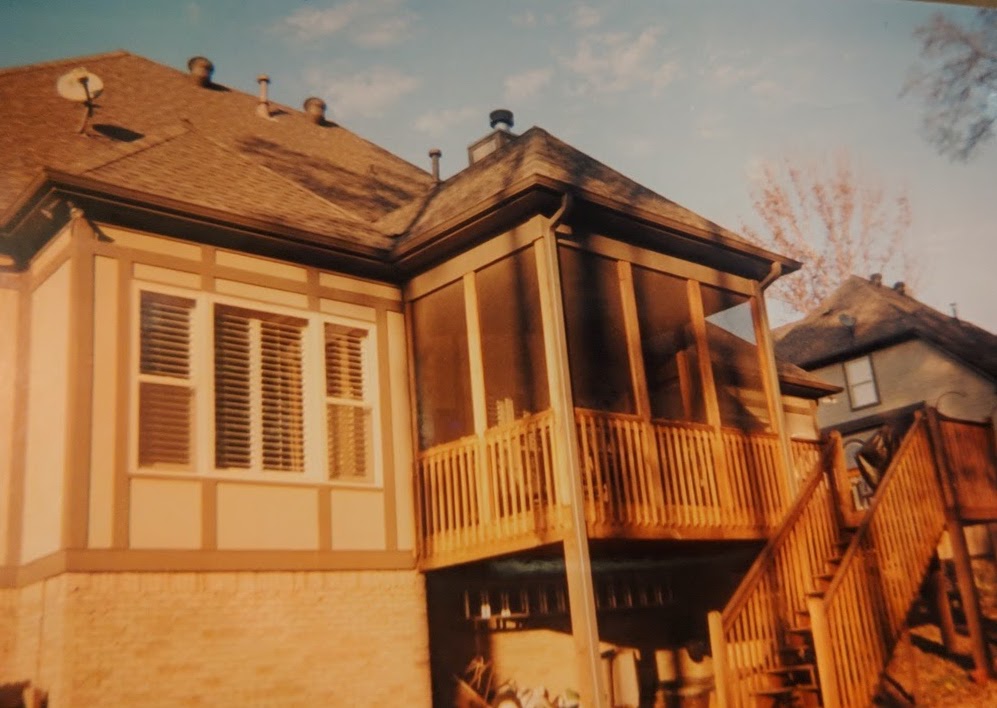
point(824, 651)
point(847, 514)
point(718, 647)
point(960, 555)
point(944, 607)
point(487, 504)
point(577, 564)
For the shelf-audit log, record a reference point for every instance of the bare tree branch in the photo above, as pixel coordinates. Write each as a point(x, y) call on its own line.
point(823, 215)
point(957, 78)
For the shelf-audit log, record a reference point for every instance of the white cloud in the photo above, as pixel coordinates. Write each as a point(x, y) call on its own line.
point(367, 93)
point(439, 122)
point(618, 61)
point(371, 23)
point(525, 19)
point(586, 17)
point(712, 125)
point(519, 87)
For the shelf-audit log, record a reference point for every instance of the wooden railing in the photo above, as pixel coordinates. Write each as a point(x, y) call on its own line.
point(859, 619)
point(805, 455)
point(969, 449)
point(482, 491)
point(758, 488)
point(747, 636)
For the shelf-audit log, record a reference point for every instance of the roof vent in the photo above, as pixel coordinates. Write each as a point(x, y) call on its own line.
point(501, 119)
point(900, 287)
point(876, 278)
point(501, 122)
point(201, 70)
point(263, 107)
point(315, 108)
point(434, 155)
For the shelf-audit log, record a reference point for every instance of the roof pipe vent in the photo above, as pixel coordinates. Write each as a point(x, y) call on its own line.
point(315, 108)
point(500, 119)
point(201, 70)
point(263, 107)
point(876, 278)
point(900, 287)
point(434, 156)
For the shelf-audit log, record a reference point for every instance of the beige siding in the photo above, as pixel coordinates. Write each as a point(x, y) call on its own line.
point(165, 514)
point(910, 372)
point(9, 303)
point(801, 423)
point(357, 520)
point(401, 428)
point(48, 381)
point(152, 244)
point(104, 403)
point(268, 517)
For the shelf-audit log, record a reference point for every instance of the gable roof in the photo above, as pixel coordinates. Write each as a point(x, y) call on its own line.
point(882, 316)
point(156, 130)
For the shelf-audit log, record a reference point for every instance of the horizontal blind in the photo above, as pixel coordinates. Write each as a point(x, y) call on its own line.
point(165, 388)
point(283, 414)
point(349, 415)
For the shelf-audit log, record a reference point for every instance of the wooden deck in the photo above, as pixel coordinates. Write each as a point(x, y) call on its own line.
point(486, 495)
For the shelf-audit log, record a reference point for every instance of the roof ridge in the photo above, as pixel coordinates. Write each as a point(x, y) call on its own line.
point(36, 66)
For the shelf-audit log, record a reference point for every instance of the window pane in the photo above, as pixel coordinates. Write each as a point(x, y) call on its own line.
point(349, 417)
point(283, 424)
point(350, 440)
point(233, 414)
point(164, 424)
point(736, 361)
point(512, 338)
point(600, 367)
point(864, 394)
point(859, 370)
point(668, 346)
point(165, 340)
point(443, 378)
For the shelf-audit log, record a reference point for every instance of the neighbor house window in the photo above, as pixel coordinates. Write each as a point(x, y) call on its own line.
point(861, 382)
point(225, 387)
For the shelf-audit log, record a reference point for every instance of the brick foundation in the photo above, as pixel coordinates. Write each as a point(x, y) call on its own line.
point(282, 639)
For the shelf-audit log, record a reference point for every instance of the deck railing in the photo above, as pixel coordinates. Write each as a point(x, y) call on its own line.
point(639, 478)
point(858, 621)
point(969, 449)
point(483, 491)
point(747, 636)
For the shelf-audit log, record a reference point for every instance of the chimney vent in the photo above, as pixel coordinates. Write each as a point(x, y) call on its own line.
point(876, 278)
point(900, 287)
point(201, 70)
point(434, 156)
point(315, 108)
point(500, 119)
point(263, 107)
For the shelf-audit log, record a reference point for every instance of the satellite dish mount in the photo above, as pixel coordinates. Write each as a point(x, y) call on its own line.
point(80, 86)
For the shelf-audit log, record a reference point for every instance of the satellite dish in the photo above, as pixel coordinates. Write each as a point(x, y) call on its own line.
point(79, 86)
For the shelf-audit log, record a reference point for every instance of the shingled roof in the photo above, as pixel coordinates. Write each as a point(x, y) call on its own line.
point(882, 316)
point(155, 130)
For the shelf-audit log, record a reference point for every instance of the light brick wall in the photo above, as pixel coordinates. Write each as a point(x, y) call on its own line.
point(221, 639)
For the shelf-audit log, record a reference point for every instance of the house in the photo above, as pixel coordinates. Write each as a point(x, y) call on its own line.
point(285, 419)
point(890, 354)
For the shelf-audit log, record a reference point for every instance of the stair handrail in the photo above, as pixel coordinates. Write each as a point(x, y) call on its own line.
point(767, 554)
point(827, 647)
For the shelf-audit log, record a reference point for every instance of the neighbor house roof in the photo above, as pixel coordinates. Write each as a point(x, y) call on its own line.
point(882, 316)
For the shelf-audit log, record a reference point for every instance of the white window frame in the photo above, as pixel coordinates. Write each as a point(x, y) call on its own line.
point(850, 384)
point(315, 424)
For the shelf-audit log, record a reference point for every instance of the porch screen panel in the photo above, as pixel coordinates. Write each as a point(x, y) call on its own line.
point(165, 387)
point(736, 360)
point(512, 338)
point(442, 366)
point(597, 349)
point(668, 346)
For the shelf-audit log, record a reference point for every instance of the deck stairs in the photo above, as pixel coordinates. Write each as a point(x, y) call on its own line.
point(817, 616)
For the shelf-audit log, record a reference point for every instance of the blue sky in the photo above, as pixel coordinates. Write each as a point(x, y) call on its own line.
point(686, 96)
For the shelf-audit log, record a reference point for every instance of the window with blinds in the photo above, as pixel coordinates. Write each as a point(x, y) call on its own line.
point(165, 388)
point(253, 374)
point(348, 413)
point(259, 407)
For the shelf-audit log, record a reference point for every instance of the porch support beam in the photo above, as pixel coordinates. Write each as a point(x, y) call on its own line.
point(577, 563)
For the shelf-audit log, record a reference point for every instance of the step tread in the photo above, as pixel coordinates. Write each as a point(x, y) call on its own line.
point(796, 668)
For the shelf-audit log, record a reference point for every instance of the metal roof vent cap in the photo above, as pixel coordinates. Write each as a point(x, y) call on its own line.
point(315, 108)
point(501, 119)
point(876, 278)
point(900, 287)
point(201, 70)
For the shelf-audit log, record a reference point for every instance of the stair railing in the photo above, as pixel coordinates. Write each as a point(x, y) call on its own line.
point(747, 636)
point(858, 621)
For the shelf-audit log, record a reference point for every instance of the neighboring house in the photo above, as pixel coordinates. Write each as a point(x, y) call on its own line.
point(890, 354)
point(285, 419)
